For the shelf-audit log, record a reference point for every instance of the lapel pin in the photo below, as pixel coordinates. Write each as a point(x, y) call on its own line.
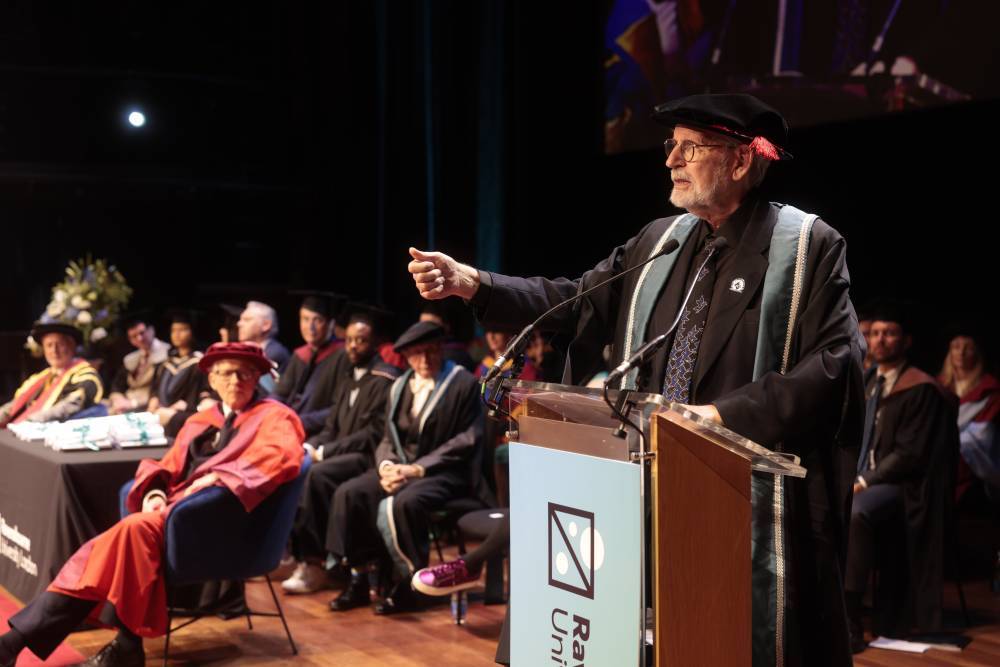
point(737, 285)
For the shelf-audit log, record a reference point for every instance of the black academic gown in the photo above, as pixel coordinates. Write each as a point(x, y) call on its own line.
point(347, 443)
point(357, 428)
point(451, 436)
point(916, 446)
point(447, 445)
point(814, 411)
point(180, 379)
point(308, 382)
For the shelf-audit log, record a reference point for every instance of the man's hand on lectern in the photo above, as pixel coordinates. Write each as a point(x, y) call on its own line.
point(438, 276)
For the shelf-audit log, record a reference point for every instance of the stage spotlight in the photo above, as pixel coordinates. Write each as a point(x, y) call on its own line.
point(136, 118)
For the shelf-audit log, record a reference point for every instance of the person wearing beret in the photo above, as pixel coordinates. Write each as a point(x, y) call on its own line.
point(246, 444)
point(429, 453)
point(767, 345)
point(308, 381)
point(132, 386)
point(66, 387)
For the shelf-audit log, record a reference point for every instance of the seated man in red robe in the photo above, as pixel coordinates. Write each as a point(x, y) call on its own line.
point(247, 444)
point(66, 387)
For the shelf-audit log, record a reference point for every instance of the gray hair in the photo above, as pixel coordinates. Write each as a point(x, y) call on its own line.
point(268, 313)
point(758, 163)
point(758, 169)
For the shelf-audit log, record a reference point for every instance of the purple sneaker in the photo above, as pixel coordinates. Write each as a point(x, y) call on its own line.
point(445, 578)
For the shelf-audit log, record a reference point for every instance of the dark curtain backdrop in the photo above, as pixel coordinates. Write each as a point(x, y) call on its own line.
point(308, 145)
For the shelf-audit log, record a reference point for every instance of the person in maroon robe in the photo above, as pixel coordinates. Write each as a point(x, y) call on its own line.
point(247, 444)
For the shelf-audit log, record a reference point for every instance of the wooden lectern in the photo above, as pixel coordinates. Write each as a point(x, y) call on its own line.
point(695, 487)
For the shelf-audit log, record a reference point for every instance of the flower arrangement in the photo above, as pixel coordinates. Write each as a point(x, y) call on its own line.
point(90, 298)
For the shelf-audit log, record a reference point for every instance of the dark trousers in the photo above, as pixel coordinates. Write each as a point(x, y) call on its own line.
point(353, 532)
point(313, 517)
point(875, 509)
point(48, 620)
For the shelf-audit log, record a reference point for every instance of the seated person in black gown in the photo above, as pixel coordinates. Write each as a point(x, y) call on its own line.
point(428, 455)
point(180, 389)
point(905, 483)
point(132, 385)
point(308, 380)
point(344, 449)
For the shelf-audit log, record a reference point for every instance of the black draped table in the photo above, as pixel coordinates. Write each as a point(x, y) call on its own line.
point(52, 502)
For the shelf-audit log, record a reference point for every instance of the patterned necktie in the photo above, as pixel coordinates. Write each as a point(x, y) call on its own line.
point(684, 351)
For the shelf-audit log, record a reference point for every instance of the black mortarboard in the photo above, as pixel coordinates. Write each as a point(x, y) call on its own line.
point(419, 333)
point(40, 329)
point(740, 116)
point(327, 304)
point(137, 316)
point(892, 310)
point(381, 319)
point(186, 316)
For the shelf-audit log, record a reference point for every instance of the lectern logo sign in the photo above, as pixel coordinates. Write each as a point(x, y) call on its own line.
point(576, 550)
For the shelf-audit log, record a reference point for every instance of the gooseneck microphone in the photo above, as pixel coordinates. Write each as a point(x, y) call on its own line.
point(516, 346)
point(648, 349)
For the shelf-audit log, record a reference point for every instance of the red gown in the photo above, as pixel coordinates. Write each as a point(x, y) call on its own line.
point(123, 564)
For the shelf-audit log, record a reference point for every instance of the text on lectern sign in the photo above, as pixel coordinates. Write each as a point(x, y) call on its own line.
point(575, 559)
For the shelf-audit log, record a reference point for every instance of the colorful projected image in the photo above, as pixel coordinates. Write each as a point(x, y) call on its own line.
point(818, 61)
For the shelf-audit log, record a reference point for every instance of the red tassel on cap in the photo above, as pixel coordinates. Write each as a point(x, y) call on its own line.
point(764, 148)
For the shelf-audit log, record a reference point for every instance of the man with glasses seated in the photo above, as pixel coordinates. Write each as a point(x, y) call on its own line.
point(247, 444)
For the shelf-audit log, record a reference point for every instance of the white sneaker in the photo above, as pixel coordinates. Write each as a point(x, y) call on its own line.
point(307, 578)
point(285, 568)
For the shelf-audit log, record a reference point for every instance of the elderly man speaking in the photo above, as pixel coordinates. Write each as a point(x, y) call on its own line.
point(249, 445)
point(768, 345)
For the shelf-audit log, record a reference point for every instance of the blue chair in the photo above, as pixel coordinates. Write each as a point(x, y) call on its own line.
point(99, 410)
point(209, 537)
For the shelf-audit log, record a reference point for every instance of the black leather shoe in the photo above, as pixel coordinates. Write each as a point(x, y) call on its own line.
point(401, 599)
point(858, 643)
point(355, 595)
point(116, 655)
point(11, 645)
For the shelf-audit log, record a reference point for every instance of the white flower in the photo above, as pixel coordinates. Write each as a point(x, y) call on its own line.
point(56, 308)
point(60, 296)
point(79, 302)
point(84, 317)
point(30, 342)
point(92, 295)
point(97, 334)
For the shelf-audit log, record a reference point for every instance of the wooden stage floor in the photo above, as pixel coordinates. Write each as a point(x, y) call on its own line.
point(360, 639)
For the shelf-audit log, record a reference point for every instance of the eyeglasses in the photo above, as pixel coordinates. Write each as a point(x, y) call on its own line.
point(688, 148)
point(239, 374)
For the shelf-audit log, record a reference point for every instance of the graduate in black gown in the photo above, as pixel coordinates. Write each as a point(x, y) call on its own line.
point(344, 449)
point(180, 389)
point(904, 488)
point(307, 383)
point(429, 454)
point(132, 385)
